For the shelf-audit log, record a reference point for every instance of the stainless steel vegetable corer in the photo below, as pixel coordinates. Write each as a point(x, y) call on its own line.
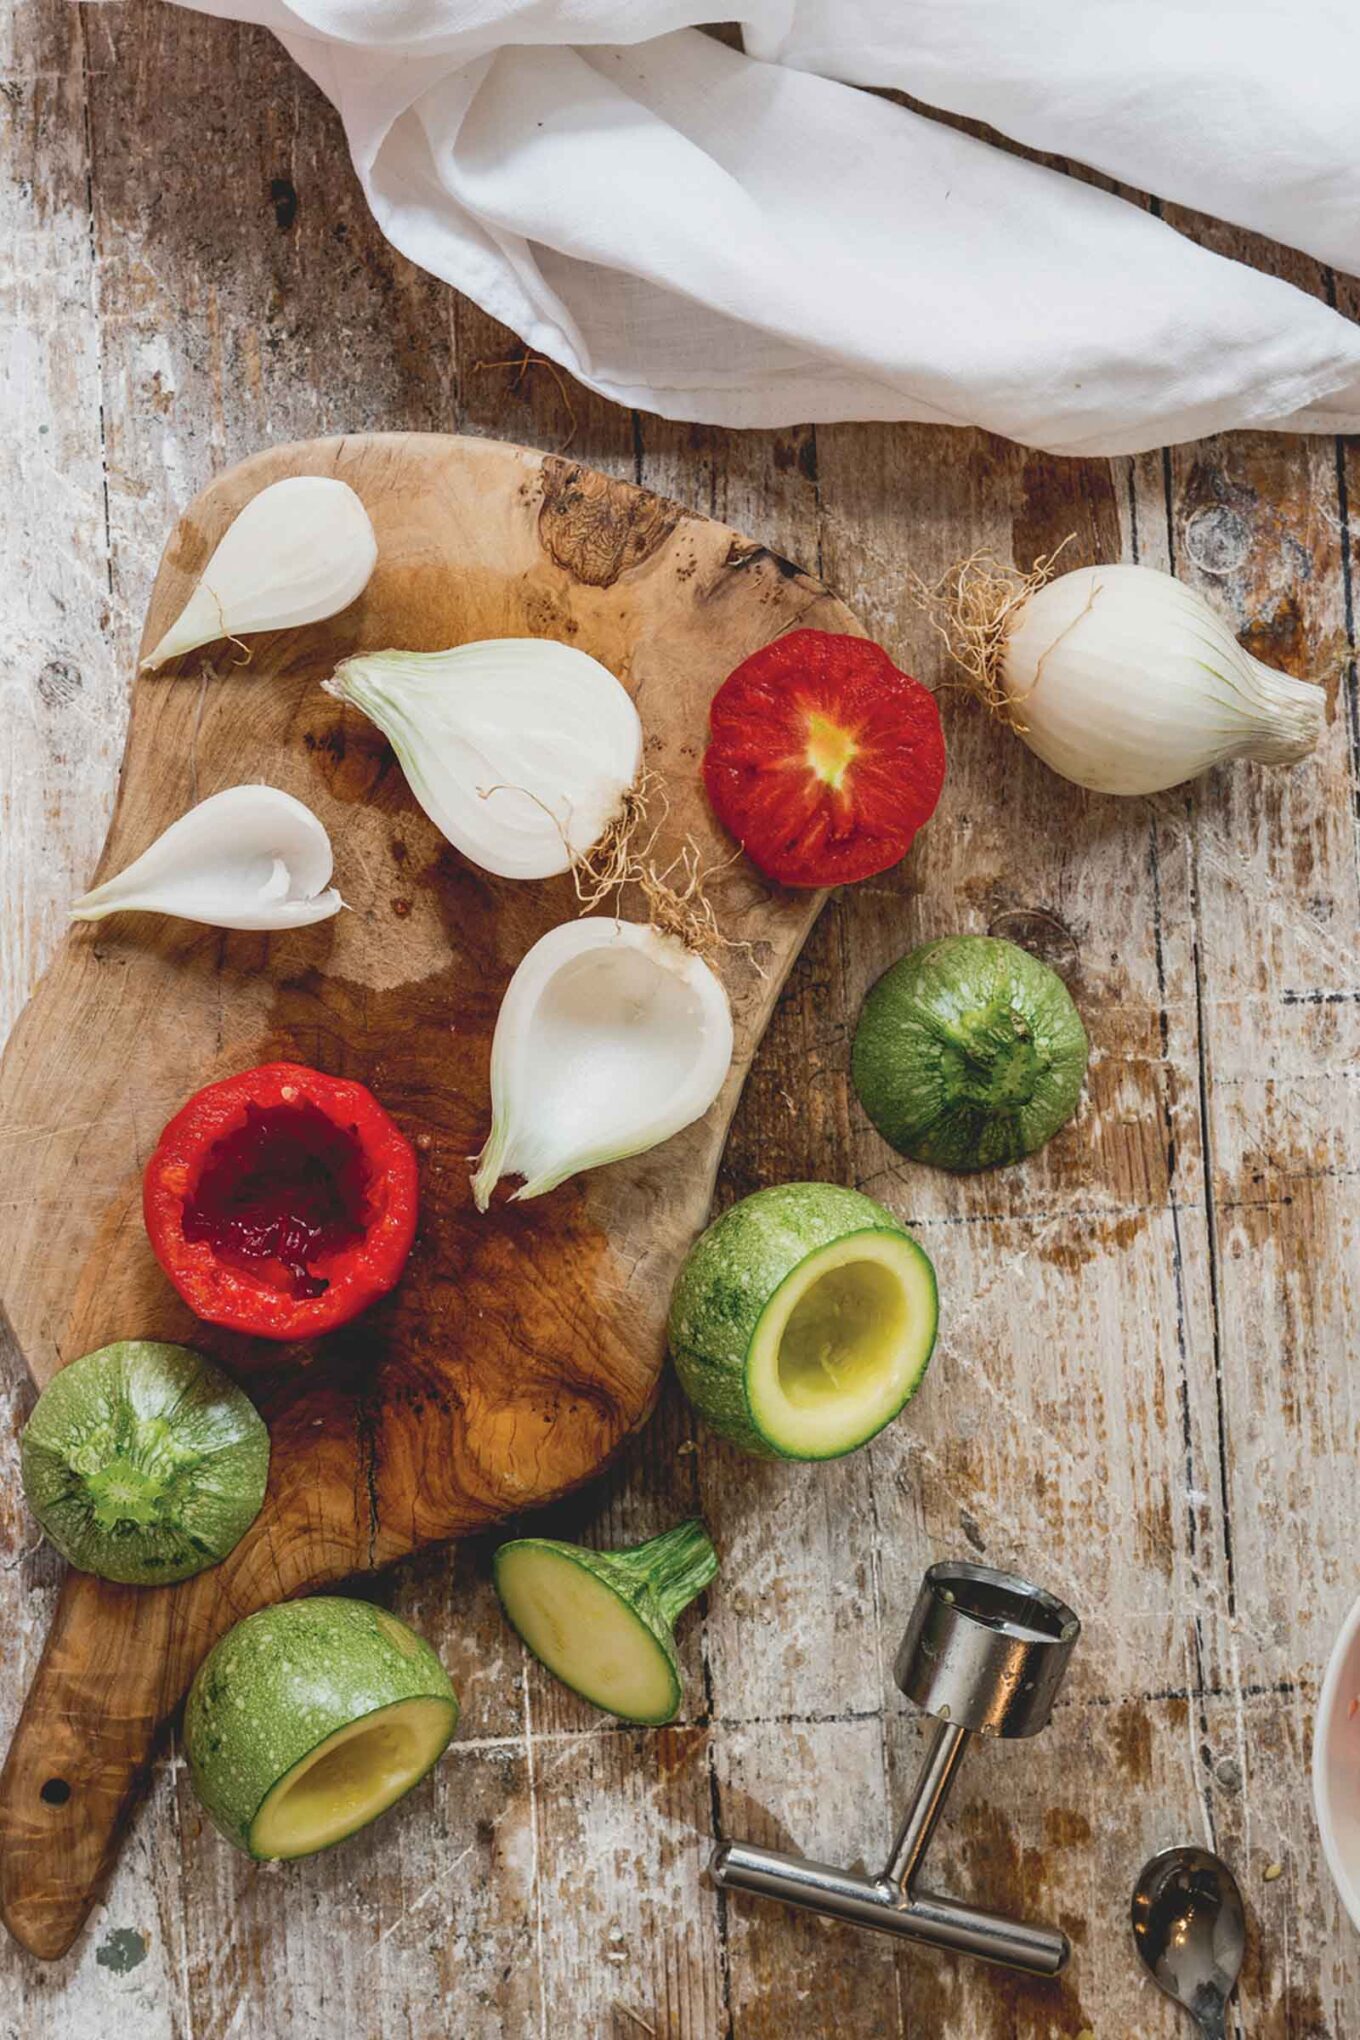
point(985, 1654)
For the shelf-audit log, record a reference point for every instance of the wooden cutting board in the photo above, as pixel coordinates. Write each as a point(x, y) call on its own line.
point(520, 1347)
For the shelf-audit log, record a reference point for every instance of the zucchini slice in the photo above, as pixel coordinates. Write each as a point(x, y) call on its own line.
point(803, 1320)
point(603, 1621)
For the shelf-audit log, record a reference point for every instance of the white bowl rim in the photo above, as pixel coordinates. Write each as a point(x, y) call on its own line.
point(1342, 1878)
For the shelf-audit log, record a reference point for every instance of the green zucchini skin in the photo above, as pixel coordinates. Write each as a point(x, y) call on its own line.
point(274, 1687)
point(144, 1463)
point(656, 1581)
point(969, 1054)
point(729, 1277)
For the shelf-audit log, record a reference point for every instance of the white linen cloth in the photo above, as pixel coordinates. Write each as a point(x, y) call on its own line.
point(750, 239)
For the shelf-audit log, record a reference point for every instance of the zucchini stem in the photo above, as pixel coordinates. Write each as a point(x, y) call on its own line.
point(677, 1565)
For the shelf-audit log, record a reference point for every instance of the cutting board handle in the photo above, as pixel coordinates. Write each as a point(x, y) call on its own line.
point(103, 1688)
point(119, 1660)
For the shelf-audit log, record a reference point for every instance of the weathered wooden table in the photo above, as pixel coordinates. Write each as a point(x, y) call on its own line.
point(1143, 1393)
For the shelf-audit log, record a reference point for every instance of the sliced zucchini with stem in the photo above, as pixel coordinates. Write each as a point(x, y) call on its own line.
point(603, 1622)
point(803, 1320)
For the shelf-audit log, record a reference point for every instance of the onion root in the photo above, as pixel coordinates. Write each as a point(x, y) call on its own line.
point(973, 608)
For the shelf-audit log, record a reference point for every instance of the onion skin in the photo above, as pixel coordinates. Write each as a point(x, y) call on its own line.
point(1124, 680)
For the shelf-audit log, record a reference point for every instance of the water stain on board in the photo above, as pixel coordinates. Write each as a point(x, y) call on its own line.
point(1277, 635)
point(1155, 1533)
point(678, 1750)
point(1044, 934)
point(1105, 1238)
point(1016, 1880)
point(1066, 1828)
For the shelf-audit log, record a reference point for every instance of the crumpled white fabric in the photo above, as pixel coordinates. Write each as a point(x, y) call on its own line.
point(750, 239)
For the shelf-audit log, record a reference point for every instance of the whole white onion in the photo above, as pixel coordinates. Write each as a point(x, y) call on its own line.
point(1126, 681)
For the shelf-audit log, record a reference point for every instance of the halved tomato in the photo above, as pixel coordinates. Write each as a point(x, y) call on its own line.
point(824, 759)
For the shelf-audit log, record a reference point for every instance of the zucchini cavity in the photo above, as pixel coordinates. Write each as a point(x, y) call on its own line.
point(350, 1778)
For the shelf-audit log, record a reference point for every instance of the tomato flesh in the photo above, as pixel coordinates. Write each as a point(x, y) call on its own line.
point(824, 759)
point(281, 1202)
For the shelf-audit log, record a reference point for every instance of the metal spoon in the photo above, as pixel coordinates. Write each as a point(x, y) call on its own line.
point(1190, 1932)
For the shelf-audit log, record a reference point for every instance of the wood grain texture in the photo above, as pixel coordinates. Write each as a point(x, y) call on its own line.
point(1143, 1389)
point(522, 1344)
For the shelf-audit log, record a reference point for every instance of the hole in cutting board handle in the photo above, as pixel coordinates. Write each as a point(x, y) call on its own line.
point(56, 1792)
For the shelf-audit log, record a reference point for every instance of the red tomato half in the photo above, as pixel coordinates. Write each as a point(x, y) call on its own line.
point(281, 1202)
point(824, 760)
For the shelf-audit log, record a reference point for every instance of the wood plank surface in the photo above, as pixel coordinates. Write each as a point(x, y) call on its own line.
point(1143, 1389)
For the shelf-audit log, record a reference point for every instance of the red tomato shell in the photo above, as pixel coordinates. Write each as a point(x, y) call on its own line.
point(824, 760)
point(281, 1202)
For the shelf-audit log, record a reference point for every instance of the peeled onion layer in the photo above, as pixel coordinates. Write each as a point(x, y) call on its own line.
point(521, 751)
point(301, 550)
point(611, 1037)
point(249, 857)
point(1125, 681)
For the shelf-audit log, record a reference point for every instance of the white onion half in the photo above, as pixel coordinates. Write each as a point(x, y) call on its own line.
point(520, 750)
point(611, 1037)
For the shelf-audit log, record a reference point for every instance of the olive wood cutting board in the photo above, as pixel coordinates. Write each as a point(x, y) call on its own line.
point(519, 1348)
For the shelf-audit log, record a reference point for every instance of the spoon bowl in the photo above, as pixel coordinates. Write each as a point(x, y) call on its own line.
point(1190, 1932)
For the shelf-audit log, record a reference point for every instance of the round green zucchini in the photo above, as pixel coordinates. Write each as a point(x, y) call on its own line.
point(803, 1321)
point(969, 1053)
point(144, 1463)
point(309, 1719)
